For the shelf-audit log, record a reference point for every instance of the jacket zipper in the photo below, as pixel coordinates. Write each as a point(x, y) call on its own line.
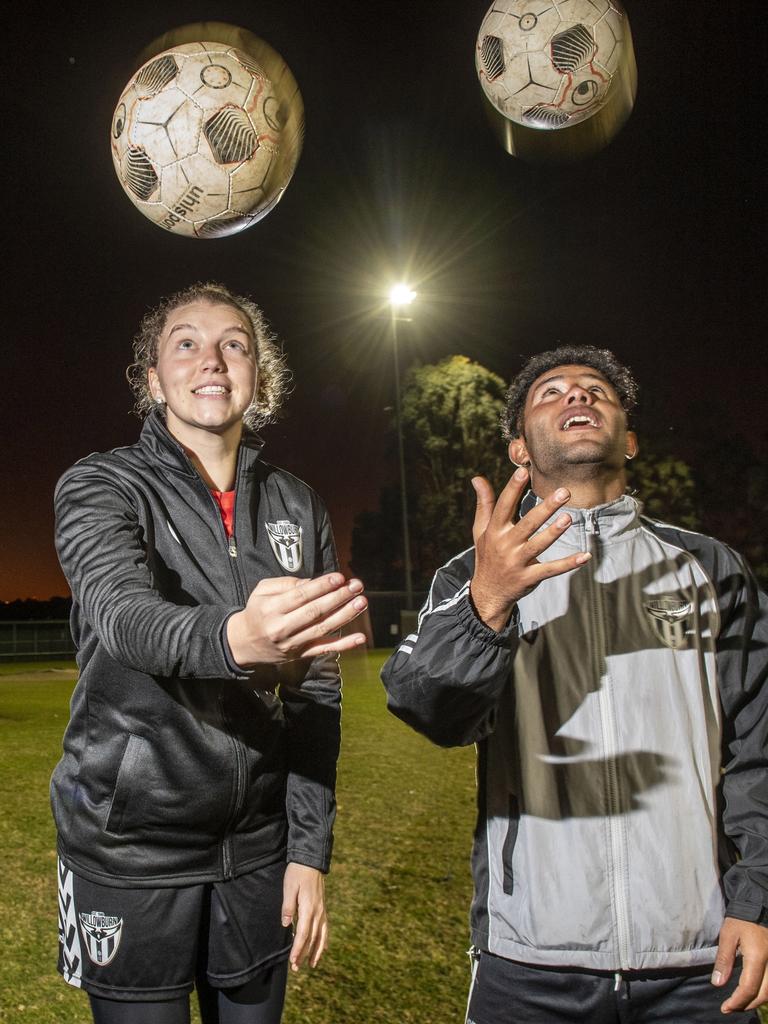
point(610, 749)
point(227, 854)
point(231, 542)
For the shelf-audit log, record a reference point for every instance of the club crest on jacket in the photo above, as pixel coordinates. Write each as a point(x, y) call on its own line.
point(285, 538)
point(667, 615)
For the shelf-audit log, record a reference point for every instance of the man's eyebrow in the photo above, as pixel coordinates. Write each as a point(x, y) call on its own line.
point(191, 327)
point(560, 376)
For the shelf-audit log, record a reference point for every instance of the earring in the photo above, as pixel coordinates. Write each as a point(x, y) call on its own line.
point(629, 457)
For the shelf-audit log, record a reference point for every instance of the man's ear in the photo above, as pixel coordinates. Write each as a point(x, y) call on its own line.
point(632, 447)
point(518, 452)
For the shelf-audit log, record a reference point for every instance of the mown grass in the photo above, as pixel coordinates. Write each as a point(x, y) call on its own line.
point(398, 893)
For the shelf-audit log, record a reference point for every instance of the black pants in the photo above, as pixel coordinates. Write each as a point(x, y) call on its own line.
point(507, 992)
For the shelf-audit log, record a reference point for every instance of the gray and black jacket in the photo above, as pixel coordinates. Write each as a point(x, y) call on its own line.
point(622, 730)
point(179, 767)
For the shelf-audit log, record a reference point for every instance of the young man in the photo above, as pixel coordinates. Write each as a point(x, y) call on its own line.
point(194, 801)
point(611, 670)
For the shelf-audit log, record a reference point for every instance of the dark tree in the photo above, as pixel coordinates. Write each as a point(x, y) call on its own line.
point(451, 429)
point(664, 484)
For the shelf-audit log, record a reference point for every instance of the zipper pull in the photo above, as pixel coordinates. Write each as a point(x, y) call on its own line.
point(232, 547)
point(591, 525)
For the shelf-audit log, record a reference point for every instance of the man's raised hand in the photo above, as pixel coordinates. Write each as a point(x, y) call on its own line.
point(287, 618)
point(507, 549)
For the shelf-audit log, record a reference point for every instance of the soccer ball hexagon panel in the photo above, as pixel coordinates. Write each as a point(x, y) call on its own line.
point(549, 64)
point(197, 140)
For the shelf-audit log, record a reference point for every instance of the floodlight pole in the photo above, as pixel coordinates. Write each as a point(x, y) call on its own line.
point(401, 452)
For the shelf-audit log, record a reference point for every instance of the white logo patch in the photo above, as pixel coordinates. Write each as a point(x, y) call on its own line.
point(102, 935)
point(668, 615)
point(285, 538)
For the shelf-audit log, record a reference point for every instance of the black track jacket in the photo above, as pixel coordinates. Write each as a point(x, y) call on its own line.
point(178, 766)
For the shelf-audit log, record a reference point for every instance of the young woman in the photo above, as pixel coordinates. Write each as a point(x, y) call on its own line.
point(195, 798)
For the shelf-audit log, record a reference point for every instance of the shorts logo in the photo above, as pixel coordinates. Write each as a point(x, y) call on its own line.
point(285, 539)
point(102, 935)
point(668, 615)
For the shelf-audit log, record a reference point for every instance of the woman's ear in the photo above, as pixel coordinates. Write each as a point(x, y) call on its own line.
point(154, 385)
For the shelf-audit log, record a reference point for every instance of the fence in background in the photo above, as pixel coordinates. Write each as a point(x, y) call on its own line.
point(35, 640)
point(388, 621)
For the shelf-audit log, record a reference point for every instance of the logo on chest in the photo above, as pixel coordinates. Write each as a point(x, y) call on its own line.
point(285, 539)
point(668, 617)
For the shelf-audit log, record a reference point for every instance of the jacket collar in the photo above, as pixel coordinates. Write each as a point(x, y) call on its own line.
point(609, 521)
point(163, 446)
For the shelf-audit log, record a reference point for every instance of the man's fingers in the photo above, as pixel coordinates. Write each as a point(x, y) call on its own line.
point(726, 954)
point(544, 570)
point(486, 499)
point(509, 499)
point(762, 996)
point(746, 991)
point(539, 542)
point(539, 514)
point(752, 940)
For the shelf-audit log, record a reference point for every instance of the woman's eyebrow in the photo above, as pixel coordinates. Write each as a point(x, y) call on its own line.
point(191, 327)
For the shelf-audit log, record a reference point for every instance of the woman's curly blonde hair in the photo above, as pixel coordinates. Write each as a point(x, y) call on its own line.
point(273, 374)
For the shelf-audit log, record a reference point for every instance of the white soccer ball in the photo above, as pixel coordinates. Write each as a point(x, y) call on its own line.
point(198, 139)
point(550, 64)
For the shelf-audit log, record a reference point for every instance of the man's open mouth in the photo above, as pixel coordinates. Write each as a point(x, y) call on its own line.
point(580, 420)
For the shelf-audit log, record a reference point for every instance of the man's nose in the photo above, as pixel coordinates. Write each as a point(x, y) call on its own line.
point(578, 395)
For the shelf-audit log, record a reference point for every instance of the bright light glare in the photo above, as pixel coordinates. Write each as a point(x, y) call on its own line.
point(401, 295)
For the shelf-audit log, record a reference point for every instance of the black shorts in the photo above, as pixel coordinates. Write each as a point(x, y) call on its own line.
point(150, 944)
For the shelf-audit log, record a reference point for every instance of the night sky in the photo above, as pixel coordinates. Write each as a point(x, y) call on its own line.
point(653, 248)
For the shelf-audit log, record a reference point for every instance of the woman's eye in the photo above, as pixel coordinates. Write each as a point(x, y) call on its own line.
point(185, 344)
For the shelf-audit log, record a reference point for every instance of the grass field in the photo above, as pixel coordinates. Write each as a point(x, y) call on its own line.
point(398, 893)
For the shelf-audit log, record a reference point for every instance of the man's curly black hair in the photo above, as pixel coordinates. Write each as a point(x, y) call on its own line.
point(600, 359)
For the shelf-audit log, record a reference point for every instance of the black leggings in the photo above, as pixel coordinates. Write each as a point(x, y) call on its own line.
point(259, 1001)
